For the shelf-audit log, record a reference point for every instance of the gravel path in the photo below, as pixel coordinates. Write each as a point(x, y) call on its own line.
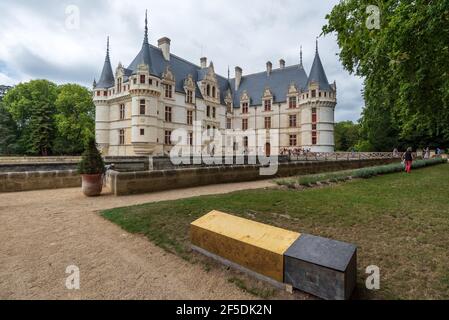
point(43, 232)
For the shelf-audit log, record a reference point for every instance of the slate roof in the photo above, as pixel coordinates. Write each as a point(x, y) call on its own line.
point(278, 81)
point(317, 73)
point(107, 76)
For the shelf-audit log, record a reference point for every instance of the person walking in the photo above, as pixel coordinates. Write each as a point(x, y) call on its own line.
point(408, 158)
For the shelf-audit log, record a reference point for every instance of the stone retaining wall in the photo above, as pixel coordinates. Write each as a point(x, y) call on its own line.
point(38, 180)
point(124, 183)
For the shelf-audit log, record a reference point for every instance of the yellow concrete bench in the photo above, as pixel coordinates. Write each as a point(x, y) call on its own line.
point(253, 245)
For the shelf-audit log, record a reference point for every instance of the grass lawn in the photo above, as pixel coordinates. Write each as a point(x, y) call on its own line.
point(399, 222)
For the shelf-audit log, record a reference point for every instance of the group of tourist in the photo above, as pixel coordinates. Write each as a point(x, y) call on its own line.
point(294, 151)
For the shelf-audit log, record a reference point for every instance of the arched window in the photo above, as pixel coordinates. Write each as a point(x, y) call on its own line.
point(208, 90)
point(213, 92)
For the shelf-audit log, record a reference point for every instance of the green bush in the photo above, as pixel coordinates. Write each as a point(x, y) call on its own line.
point(91, 161)
point(362, 173)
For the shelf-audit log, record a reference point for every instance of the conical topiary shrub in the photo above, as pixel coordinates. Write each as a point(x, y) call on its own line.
point(91, 168)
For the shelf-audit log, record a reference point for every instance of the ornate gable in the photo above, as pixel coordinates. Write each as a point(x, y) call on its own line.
point(189, 83)
point(167, 75)
point(267, 93)
point(292, 90)
point(244, 97)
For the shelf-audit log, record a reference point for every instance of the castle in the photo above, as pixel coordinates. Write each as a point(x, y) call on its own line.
point(138, 107)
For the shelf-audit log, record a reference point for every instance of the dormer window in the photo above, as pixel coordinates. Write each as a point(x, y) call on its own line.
point(142, 79)
point(313, 93)
point(189, 96)
point(292, 102)
point(208, 90)
point(245, 107)
point(213, 92)
point(168, 91)
point(267, 105)
point(228, 107)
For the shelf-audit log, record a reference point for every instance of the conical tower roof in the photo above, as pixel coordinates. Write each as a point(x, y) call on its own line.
point(144, 56)
point(107, 76)
point(317, 74)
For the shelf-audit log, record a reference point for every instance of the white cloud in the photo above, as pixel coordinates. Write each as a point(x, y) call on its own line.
point(35, 42)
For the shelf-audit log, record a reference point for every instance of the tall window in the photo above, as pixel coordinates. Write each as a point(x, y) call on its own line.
point(214, 112)
point(228, 123)
point(119, 85)
point(168, 91)
point(142, 107)
point(245, 107)
point(292, 102)
point(267, 122)
point(208, 90)
point(314, 121)
point(168, 138)
point(245, 142)
point(168, 114)
point(208, 111)
point(189, 96)
point(121, 137)
point(142, 79)
point(293, 140)
point(190, 139)
point(122, 111)
point(244, 124)
point(292, 121)
point(313, 93)
point(228, 107)
point(267, 104)
point(213, 92)
point(314, 115)
point(189, 117)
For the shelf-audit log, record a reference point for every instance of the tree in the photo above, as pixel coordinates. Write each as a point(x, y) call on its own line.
point(8, 133)
point(75, 119)
point(346, 135)
point(47, 119)
point(31, 106)
point(405, 65)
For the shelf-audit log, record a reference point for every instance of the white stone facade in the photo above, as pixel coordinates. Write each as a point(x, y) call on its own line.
point(135, 115)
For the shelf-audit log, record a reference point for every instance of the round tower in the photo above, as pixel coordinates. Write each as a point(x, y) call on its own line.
point(318, 109)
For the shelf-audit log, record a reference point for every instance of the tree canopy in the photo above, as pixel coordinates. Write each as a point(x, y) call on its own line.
point(405, 64)
point(44, 119)
point(346, 136)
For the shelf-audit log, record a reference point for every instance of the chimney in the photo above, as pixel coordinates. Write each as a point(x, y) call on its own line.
point(238, 77)
point(164, 45)
point(282, 63)
point(269, 68)
point(203, 62)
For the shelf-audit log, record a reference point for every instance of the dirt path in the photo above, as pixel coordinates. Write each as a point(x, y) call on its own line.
point(43, 232)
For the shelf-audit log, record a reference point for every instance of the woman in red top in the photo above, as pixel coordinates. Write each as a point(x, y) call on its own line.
point(408, 158)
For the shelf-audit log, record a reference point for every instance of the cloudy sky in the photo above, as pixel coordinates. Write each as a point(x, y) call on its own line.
point(41, 39)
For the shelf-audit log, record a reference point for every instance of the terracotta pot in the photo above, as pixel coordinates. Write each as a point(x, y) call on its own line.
point(92, 184)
